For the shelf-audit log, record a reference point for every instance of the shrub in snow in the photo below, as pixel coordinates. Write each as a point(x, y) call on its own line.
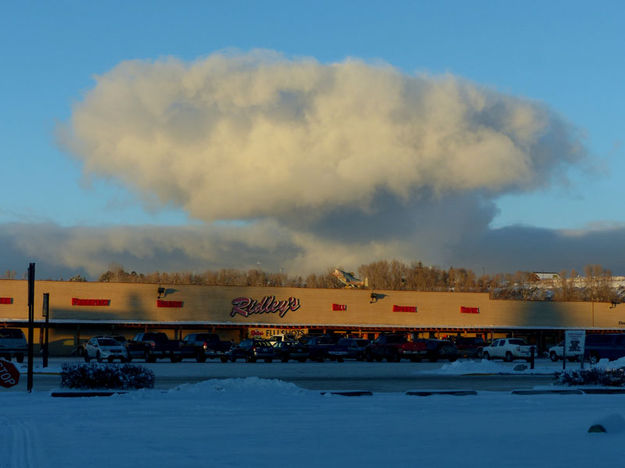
point(593, 376)
point(94, 375)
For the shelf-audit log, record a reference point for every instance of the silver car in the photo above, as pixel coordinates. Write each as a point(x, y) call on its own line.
point(105, 348)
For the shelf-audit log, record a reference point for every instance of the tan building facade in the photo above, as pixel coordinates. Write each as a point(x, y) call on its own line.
point(81, 309)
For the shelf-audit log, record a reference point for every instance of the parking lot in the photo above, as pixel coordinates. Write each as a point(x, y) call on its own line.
point(348, 375)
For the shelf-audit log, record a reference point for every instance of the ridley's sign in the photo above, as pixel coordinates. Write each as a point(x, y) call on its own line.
point(247, 306)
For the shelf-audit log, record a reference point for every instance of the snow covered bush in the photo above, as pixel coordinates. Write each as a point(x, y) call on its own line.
point(94, 375)
point(593, 376)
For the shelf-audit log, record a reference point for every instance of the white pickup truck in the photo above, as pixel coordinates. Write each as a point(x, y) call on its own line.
point(508, 349)
point(557, 353)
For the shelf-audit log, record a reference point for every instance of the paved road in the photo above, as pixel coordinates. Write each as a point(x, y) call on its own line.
point(378, 377)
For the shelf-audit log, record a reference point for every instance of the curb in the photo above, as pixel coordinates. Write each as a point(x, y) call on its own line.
point(85, 394)
point(603, 391)
point(441, 392)
point(349, 393)
point(547, 392)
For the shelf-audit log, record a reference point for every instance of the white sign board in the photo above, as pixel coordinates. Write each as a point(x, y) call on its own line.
point(574, 342)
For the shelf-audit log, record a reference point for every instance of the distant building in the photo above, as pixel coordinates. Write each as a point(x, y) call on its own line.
point(546, 276)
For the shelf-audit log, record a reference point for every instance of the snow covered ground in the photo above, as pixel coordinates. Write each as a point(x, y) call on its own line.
point(268, 423)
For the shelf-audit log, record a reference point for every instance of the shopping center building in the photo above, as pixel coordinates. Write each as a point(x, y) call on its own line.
point(79, 310)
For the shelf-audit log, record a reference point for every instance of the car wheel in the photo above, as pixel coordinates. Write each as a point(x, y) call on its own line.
point(508, 357)
point(98, 357)
point(301, 360)
point(486, 356)
point(225, 359)
point(553, 356)
point(285, 359)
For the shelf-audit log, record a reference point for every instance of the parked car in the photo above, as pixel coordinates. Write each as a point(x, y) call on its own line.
point(508, 349)
point(289, 349)
point(13, 344)
point(441, 349)
point(386, 346)
point(202, 346)
point(105, 348)
point(469, 346)
point(609, 346)
point(318, 346)
point(348, 348)
point(252, 350)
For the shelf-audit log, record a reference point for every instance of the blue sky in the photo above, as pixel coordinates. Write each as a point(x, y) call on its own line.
point(565, 55)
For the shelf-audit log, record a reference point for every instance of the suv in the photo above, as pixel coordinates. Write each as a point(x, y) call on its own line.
point(319, 346)
point(610, 346)
point(469, 346)
point(508, 349)
point(349, 348)
point(13, 344)
point(105, 347)
point(386, 346)
point(251, 350)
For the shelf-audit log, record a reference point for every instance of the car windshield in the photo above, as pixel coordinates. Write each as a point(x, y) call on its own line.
point(11, 333)
point(107, 342)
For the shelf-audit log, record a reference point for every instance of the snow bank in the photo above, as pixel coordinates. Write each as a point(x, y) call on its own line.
point(244, 386)
point(462, 367)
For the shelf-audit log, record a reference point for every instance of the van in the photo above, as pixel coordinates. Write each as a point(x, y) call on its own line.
point(609, 346)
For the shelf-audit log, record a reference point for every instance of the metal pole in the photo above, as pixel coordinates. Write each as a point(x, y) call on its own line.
point(46, 315)
point(31, 324)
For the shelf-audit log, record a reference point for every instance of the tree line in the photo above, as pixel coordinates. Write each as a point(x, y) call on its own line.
point(595, 285)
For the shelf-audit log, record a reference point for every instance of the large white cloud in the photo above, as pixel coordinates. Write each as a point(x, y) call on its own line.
point(240, 136)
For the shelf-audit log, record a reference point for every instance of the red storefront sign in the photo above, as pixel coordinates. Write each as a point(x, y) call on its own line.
point(90, 302)
point(469, 310)
point(338, 307)
point(162, 303)
point(398, 308)
point(9, 375)
point(6, 300)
